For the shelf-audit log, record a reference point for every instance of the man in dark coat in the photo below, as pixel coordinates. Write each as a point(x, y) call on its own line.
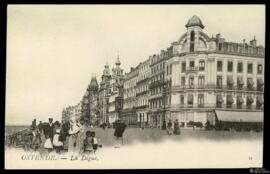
point(40, 127)
point(49, 128)
point(34, 124)
point(176, 129)
point(119, 130)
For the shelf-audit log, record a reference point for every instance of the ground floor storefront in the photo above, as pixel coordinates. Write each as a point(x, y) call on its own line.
point(191, 118)
point(157, 119)
point(143, 118)
point(217, 119)
point(239, 121)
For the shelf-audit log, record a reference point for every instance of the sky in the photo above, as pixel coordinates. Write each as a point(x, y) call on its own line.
point(54, 50)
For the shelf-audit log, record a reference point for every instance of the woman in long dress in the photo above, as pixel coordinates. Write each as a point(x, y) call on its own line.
point(81, 136)
point(176, 127)
point(73, 135)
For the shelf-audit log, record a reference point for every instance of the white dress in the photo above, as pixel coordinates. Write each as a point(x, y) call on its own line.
point(56, 141)
point(48, 144)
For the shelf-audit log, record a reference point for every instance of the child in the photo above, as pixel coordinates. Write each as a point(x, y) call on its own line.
point(56, 143)
point(94, 141)
point(87, 148)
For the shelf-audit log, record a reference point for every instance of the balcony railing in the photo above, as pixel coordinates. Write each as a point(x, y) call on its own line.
point(214, 105)
point(192, 70)
point(142, 81)
point(142, 107)
point(213, 87)
point(141, 93)
point(159, 95)
point(156, 83)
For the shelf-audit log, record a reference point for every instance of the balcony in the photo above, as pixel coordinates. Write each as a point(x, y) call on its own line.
point(141, 107)
point(142, 81)
point(213, 87)
point(159, 95)
point(156, 83)
point(216, 106)
point(192, 70)
point(141, 93)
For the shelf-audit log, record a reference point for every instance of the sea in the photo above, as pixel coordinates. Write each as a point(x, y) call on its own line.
point(9, 129)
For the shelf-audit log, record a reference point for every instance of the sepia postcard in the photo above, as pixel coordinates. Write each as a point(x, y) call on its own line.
point(134, 86)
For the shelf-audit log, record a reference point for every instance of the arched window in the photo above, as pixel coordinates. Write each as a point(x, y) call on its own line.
point(192, 36)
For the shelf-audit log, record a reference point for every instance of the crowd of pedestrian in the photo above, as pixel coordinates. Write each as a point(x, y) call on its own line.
point(75, 136)
point(53, 136)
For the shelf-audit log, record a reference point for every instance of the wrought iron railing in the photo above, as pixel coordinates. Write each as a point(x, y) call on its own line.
point(215, 105)
point(214, 87)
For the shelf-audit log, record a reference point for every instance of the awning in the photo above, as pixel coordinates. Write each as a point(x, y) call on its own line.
point(250, 82)
point(230, 99)
point(230, 80)
point(240, 100)
point(219, 98)
point(260, 82)
point(250, 99)
point(260, 100)
point(238, 116)
point(240, 81)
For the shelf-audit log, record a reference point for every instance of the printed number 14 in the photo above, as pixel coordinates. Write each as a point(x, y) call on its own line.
point(250, 158)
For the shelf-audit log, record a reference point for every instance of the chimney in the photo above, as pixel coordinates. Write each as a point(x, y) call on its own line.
point(253, 42)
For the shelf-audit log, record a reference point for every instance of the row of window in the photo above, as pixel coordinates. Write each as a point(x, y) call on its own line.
point(239, 67)
point(240, 82)
point(191, 81)
point(219, 67)
point(157, 78)
point(219, 101)
point(142, 88)
point(192, 65)
point(239, 48)
point(144, 76)
point(157, 67)
point(230, 82)
point(158, 103)
point(142, 102)
point(156, 90)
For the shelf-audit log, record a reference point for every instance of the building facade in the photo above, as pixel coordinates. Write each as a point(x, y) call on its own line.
point(72, 112)
point(115, 96)
point(129, 97)
point(142, 86)
point(195, 80)
point(208, 74)
point(85, 106)
point(104, 95)
point(156, 89)
point(93, 102)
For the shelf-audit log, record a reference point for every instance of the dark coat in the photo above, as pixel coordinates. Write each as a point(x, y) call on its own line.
point(48, 130)
point(176, 128)
point(119, 129)
point(64, 131)
point(169, 124)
